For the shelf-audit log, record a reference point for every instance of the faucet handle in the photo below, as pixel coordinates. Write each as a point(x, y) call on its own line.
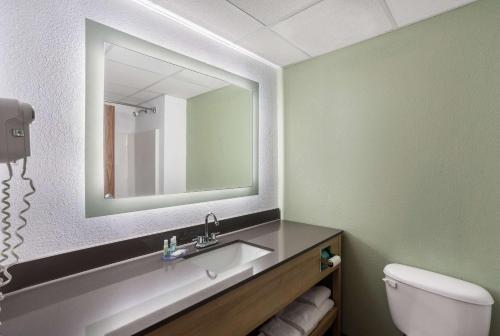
point(214, 235)
point(198, 239)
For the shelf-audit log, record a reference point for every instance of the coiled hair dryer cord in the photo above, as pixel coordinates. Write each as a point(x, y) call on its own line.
point(5, 276)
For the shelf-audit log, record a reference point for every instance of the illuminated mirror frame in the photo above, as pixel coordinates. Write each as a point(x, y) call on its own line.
point(95, 203)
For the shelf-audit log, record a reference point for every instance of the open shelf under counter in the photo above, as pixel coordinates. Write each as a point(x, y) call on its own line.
point(326, 323)
point(241, 310)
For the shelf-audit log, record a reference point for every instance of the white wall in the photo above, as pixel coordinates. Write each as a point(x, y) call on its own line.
point(42, 61)
point(146, 162)
point(175, 145)
point(151, 121)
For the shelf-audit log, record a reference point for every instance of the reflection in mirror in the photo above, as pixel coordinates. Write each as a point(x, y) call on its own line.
point(169, 130)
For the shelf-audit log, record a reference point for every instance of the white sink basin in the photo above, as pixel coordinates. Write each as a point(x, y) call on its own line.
point(228, 257)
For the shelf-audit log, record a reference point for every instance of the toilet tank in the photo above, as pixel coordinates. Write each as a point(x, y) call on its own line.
point(424, 303)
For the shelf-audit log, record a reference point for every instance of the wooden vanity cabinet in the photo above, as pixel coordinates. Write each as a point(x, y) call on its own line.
point(243, 309)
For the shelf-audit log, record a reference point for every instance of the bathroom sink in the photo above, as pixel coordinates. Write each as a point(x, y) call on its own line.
point(228, 257)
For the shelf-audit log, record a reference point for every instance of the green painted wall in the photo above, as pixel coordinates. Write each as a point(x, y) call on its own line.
point(219, 139)
point(397, 141)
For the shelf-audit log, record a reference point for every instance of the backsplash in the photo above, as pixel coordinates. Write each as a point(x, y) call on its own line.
point(42, 270)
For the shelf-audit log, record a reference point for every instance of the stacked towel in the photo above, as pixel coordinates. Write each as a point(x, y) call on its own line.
point(301, 316)
point(278, 327)
point(322, 311)
point(316, 296)
point(304, 316)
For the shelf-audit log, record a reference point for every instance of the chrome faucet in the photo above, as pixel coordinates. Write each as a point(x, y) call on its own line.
point(207, 239)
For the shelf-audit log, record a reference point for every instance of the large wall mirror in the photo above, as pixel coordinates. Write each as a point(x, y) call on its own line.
point(163, 129)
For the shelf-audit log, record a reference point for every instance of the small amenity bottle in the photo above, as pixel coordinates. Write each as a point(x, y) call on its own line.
point(173, 244)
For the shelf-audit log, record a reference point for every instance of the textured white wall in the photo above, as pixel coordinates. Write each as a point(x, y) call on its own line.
point(42, 50)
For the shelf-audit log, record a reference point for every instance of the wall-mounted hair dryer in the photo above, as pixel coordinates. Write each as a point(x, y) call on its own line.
point(15, 118)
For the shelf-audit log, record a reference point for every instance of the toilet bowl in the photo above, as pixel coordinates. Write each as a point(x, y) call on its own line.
point(424, 303)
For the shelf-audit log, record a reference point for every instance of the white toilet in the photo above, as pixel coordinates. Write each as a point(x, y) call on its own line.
point(424, 303)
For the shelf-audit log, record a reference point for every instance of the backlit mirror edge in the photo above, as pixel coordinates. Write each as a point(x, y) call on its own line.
point(95, 204)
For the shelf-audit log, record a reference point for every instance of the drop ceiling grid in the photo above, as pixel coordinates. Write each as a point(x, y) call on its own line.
point(270, 12)
point(138, 90)
point(218, 16)
point(183, 87)
point(334, 24)
point(285, 51)
point(304, 28)
point(136, 67)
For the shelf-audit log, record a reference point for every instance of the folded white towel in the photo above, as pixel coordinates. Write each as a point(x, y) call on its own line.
point(299, 314)
point(325, 307)
point(320, 313)
point(316, 295)
point(278, 327)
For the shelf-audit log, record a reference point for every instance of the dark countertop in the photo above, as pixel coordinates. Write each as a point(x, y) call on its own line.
point(127, 297)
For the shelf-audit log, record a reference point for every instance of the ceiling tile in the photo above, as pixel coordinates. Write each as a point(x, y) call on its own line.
point(218, 16)
point(178, 88)
point(130, 100)
point(118, 89)
point(115, 72)
point(111, 97)
point(334, 24)
point(200, 79)
point(272, 11)
point(144, 96)
point(272, 47)
point(142, 61)
point(410, 11)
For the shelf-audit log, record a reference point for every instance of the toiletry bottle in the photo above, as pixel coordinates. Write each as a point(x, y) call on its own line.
point(166, 250)
point(173, 244)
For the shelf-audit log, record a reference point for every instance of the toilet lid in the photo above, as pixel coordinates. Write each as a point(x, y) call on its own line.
point(439, 284)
